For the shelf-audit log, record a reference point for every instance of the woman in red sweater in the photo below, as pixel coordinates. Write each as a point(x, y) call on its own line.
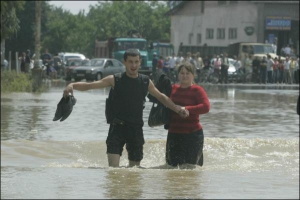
point(185, 135)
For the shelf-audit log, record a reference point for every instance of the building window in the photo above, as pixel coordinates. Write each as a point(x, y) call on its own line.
point(232, 33)
point(221, 33)
point(221, 2)
point(190, 38)
point(199, 38)
point(209, 33)
point(233, 2)
point(202, 6)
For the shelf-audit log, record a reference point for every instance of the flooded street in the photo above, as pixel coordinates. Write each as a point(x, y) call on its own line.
point(251, 148)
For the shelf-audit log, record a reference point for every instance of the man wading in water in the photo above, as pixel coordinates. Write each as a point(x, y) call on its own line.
point(127, 126)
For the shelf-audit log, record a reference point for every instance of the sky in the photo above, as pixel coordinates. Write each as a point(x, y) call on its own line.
point(74, 6)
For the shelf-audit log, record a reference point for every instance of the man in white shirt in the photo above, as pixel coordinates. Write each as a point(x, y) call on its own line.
point(172, 62)
point(287, 50)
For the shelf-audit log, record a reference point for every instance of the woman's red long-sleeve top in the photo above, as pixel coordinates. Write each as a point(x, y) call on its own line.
point(195, 100)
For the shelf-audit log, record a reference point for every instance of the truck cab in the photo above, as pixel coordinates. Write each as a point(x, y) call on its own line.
point(259, 50)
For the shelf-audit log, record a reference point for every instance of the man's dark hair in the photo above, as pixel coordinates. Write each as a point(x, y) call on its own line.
point(131, 52)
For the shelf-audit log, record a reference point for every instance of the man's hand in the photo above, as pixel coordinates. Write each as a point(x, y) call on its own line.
point(68, 90)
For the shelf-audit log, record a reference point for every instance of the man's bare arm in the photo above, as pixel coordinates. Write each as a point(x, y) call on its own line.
point(83, 86)
point(166, 100)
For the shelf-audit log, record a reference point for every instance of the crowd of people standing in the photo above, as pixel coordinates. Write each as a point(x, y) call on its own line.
point(51, 63)
point(278, 70)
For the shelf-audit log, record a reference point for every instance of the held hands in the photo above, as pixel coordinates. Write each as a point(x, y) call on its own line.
point(182, 112)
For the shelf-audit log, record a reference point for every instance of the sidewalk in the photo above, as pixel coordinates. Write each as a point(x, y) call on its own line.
point(254, 85)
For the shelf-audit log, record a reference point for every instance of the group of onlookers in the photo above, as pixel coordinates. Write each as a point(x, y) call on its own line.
point(265, 70)
point(277, 70)
point(52, 63)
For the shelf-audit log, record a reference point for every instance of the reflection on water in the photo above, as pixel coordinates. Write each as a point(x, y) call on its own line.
point(123, 184)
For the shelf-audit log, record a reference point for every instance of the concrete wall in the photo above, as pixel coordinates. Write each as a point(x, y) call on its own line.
point(189, 19)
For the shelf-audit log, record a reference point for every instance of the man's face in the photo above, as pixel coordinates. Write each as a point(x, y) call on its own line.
point(132, 64)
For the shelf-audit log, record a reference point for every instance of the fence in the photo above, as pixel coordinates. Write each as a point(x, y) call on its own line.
point(14, 62)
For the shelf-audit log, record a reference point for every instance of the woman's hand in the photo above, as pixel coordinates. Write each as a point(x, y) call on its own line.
point(182, 112)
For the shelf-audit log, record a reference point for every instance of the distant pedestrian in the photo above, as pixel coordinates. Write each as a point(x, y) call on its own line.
point(255, 68)
point(57, 64)
point(22, 61)
point(287, 74)
point(160, 64)
point(263, 70)
point(27, 61)
point(224, 68)
point(270, 63)
point(46, 57)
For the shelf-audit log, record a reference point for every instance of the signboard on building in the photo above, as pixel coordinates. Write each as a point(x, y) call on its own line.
point(278, 23)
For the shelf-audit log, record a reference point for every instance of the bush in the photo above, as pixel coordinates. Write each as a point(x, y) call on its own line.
point(11, 81)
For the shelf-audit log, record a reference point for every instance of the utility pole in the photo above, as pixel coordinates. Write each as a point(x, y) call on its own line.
point(37, 71)
point(37, 33)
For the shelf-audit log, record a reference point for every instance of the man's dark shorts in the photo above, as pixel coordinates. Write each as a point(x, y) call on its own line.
point(185, 148)
point(132, 136)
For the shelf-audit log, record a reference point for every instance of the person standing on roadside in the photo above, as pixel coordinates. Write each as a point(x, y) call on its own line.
point(127, 125)
point(46, 58)
point(255, 66)
point(276, 70)
point(263, 70)
point(57, 65)
point(27, 61)
point(160, 64)
point(217, 67)
point(224, 68)
point(280, 70)
point(23, 63)
point(292, 69)
point(287, 74)
point(172, 62)
point(270, 64)
point(185, 135)
point(154, 67)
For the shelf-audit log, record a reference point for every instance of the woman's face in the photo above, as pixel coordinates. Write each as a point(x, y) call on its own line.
point(185, 77)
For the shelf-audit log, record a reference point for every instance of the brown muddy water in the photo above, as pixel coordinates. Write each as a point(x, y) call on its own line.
point(251, 148)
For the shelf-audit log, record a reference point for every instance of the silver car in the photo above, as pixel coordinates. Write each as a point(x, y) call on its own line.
point(98, 69)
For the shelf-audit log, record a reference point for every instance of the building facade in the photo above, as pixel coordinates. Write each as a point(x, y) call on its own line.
point(220, 23)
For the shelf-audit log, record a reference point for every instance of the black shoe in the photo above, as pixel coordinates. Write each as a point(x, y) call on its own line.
point(67, 107)
point(59, 110)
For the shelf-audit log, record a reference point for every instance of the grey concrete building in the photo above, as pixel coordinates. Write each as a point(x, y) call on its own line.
point(197, 24)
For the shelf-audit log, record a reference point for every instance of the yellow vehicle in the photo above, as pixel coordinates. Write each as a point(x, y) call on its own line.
point(241, 49)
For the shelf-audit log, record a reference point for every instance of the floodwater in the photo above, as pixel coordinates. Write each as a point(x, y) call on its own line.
point(251, 149)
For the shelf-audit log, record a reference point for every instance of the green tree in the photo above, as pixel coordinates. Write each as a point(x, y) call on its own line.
point(69, 33)
point(63, 31)
point(114, 19)
point(24, 37)
point(9, 21)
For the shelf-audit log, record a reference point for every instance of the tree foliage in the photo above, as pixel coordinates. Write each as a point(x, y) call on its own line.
point(63, 31)
point(24, 39)
point(9, 19)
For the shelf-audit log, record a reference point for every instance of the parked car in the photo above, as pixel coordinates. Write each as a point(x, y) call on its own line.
point(98, 69)
point(231, 70)
point(66, 55)
point(71, 64)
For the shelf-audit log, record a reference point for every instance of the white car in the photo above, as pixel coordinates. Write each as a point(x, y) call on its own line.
point(66, 56)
